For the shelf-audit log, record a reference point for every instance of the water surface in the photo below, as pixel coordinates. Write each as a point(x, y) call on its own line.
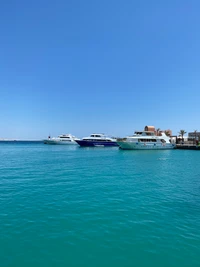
point(72, 206)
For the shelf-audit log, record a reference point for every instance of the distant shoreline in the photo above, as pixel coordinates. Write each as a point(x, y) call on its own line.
point(21, 140)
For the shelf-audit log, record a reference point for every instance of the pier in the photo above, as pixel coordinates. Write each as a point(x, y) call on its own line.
point(188, 146)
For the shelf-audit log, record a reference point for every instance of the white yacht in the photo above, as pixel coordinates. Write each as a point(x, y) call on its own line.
point(145, 140)
point(64, 139)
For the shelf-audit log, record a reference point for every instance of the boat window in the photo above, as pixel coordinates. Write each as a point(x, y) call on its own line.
point(147, 140)
point(97, 140)
point(163, 141)
point(138, 133)
point(149, 133)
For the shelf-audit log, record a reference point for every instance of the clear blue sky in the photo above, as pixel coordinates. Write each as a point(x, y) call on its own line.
point(98, 66)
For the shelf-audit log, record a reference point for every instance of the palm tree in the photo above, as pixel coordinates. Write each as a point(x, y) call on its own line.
point(182, 132)
point(167, 133)
point(157, 131)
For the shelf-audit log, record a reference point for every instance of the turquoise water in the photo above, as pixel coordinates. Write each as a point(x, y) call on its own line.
point(71, 206)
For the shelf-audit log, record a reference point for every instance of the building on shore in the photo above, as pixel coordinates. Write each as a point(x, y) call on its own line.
point(158, 132)
point(194, 136)
point(150, 128)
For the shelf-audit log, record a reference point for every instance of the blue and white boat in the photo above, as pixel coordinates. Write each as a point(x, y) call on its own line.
point(97, 140)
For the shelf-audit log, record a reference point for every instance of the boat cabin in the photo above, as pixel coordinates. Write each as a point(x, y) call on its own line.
point(144, 133)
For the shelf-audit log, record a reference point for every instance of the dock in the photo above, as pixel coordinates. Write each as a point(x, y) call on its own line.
point(188, 146)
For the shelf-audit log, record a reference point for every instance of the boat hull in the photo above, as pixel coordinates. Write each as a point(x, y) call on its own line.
point(56, 142)
point(144, 146)
point(96, 143)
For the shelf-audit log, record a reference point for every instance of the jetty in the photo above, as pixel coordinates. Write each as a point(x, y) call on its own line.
point(188, 146)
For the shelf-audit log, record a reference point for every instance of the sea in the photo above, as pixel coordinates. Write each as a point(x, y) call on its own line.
point(95, 207)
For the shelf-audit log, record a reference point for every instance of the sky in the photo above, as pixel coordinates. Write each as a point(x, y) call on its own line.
point(109, 66)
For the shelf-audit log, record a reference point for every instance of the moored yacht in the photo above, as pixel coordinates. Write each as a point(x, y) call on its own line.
point(145, 140)
point(64, 139)
point(97, 140)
